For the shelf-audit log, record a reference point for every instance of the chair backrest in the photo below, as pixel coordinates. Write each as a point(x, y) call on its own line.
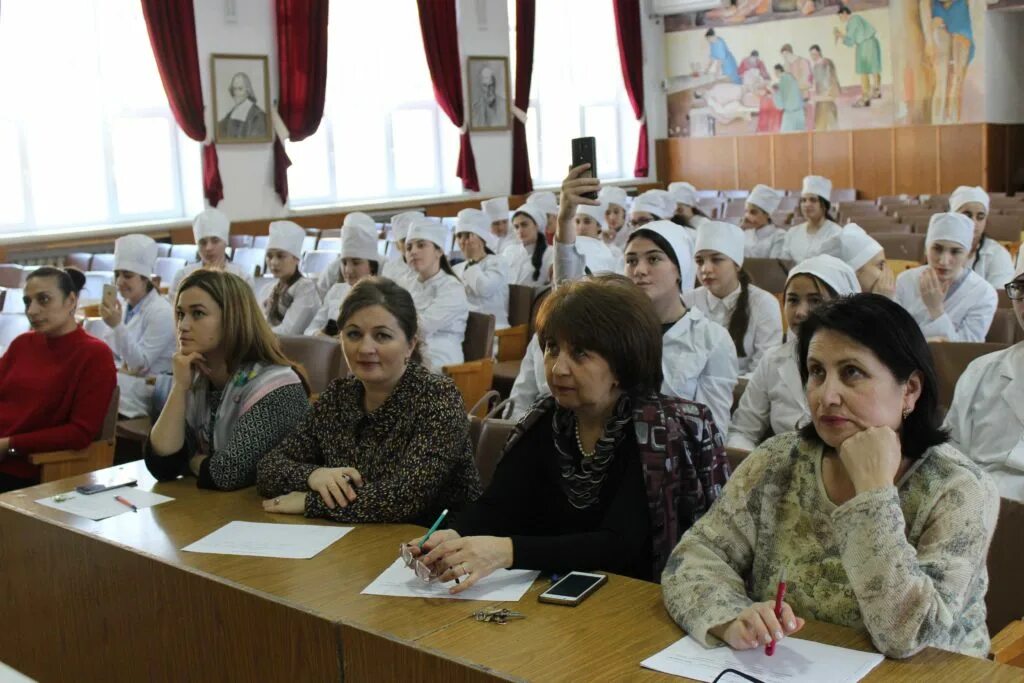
point(938, 202)
point(1004, 328)
point(788, 204)
point(332, 244)
point(11, 326)
point(844, 194)
point(906, 247)
point(736, 194)
point(330, 234)
point(188, 252)
point(95, 327)
point(260, 241)
point(520, 302)
point(316, 261)
point(78, 259)
point(250, 258)
point(767, 273)
point(163, 249)
point(167, 267)
point(94, 281)
point(12, 275)
point(1005, 599)
point(13, 303)
point(490, 446)
point(309, 243)
point(1004, 228)
point(886, 228)
point(320, 356)
point(109, 428)
point(102, 262)
point(479, 340)
point(782, 218)
point(951, 359)
point(236, 241)
point(539, 295)
point(735, 208)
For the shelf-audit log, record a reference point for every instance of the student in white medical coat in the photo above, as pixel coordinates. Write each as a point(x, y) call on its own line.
point(440, 297)
point(762, 238)
point(774, 401)
point(333, 274)
point(395, 268)
point(687, 210)
point(210, 229)
point(529, 260)
point(862, 252)
point(141, 333)
point(804, 241)
point(947, 299)
point(359, 259)
point(750, 314)
point(590, 222)
point(549, 204)
point(986, 419)
point(615, 202)
point(988, 258)
point(497, 211)
point(484, 274)
point(291, 302)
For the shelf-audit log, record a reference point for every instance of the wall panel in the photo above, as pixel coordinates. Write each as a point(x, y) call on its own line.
point(830, 157)
point(961, 156)
point(917, 158)
point(791, 160)
point(754, 153)
point(872, 162)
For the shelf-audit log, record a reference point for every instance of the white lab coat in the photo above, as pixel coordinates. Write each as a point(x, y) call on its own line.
point(774, 401)
point(399, 271)
point(191, 268)
point(698, 361)
point(507, 241)
point(520, 267)
point(329, 308)
point(305, 304)
point(970, 306)
point(764, 330)
point(443, 311)
point(986, 419)
point(486, 285)
point(144, 347)
point(798, 246)
point(993, 262)
point(330, 276)
point(766, 242)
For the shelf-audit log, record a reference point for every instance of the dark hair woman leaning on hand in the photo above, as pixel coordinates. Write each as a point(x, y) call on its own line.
point(604, 474)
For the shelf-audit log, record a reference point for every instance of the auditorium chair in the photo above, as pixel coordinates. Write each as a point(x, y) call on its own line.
point(490, 444)
point(189, 252)
point(102, 262)
point(315, 262)
point(260, 241)
point(237, 241)
point(906, 247)
point(166, 267)
point(78, 259)
point(951, 360)
point(768, 273)
point(321, 357)
point(513, 339)
point(13, 301)
point(12, 275)
point(937, 202)
point(11, 326)
point(506, 369)
point(1004, 328)
point(844, 194)
point(96, 456)
point(250, 259)
point(163, 249)
point(331, 244)
point(1004, 228)
point(1004, 601)
point(331, 233)
point(475, 374)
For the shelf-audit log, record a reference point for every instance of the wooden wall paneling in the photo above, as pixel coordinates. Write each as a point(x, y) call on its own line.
point(997, 172)
point(872, 162)
point(961, 156)
point(830, 157)
point(661, 159)
point(916, 157)
point(753, 160)
point(705, 162)
point(1015, 157)
point(792, 160)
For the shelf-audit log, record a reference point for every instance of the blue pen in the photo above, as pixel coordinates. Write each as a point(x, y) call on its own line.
point(444, 513)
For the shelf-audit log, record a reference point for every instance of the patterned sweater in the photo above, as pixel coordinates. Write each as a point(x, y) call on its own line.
point(906, 563)
point(413, 451)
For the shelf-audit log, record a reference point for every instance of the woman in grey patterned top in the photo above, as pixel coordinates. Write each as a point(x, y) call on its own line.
point(390, 444)
point(879, 524)
point(234, 395)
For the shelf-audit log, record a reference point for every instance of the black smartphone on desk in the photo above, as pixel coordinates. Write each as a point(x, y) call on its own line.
point(584, 151)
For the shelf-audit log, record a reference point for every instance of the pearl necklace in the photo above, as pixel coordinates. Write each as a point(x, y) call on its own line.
point(579, 444)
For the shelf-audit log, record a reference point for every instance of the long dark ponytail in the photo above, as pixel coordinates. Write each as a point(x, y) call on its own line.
point(537, 258)
point(740, 320)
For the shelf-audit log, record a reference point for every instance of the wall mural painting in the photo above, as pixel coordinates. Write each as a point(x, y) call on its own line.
point(823, 65)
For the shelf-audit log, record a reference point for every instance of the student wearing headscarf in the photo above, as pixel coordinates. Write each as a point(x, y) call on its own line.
point(334, 274)
point(804, 241)
point(687, 212)
point(530, 258)
point(358, 259)
point(395, 267)
point(484, 274)
point(497, 211)
point(549, 204)
point(865, 255)
point(210, 229)
point(774, 401)
point(988, 258)
point(590, 221)
point(616, 203)
point(750, 314)
point(291, 302)
point(761, 237)
point(140, 333)
point(947, 299)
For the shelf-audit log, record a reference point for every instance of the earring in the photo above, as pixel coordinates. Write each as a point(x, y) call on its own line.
point(906, 413)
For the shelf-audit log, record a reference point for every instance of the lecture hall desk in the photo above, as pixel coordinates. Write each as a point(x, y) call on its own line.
point(117, 600)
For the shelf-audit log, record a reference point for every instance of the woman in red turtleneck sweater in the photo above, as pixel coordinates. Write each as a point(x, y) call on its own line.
point(55, 381)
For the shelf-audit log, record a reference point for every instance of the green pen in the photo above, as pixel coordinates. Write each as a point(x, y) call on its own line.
point(440, 519)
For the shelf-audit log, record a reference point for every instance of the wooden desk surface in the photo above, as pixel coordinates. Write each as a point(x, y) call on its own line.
point(375, 637)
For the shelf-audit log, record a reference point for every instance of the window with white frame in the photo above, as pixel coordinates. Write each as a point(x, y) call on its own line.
point(383, 135)
point(576, 90)
point(86, 134)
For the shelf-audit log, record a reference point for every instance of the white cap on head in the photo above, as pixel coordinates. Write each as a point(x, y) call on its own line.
point(400, 223)
point(853, 246)
point(610, 194)
point(135, 254)
point(286, 236)
point(830, 270)
point(496, 208)
point(359, 237)
point(535, 212)
point(725, 238)
point(950, 227)
point(431, 231)
point(211, 223)
point(478, 223)
point(683, 193)
point(765, 198)
point(818, 185)
point(679, 241)
point(596, 254)
point(966, 194)
point(544, 199)
point(655, 202)
point(595, 212)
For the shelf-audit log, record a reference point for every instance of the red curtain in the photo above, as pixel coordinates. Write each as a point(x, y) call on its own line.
point(631, 58)
point(441, 45)
point(172, 33)
point(302, 76)
point(526, 17)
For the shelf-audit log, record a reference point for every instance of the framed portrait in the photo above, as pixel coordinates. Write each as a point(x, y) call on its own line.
point(241, 98)
point(488, 93)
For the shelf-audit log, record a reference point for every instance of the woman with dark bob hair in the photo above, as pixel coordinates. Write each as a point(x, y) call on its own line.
point(604, 474)
point(879, 524)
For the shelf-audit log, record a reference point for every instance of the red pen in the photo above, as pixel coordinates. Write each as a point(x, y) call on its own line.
point(125, 501)
point(780, 593)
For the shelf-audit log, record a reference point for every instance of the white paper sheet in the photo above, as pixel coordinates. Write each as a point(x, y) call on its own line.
point(504, 585)
point(291, 541)
point(102, 505)
point(795, 661)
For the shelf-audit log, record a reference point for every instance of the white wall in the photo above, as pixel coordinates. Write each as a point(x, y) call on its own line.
point(1004, 51)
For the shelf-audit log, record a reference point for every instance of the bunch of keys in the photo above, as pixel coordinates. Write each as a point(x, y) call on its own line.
point(497, 616)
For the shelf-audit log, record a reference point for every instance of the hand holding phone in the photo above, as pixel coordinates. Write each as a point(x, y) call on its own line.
point(573, 588)
point(584, 151)
point(109, 296)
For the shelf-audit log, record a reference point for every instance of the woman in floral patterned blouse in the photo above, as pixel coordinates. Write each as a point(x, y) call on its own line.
point(880, 525)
